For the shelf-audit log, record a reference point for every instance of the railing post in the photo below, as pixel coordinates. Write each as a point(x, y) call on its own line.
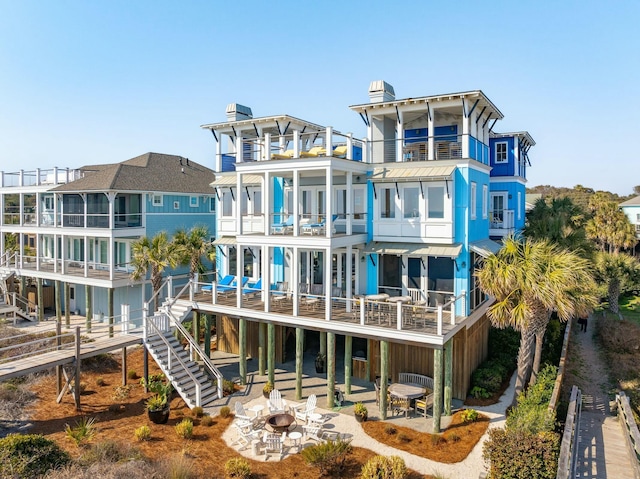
point(399, 314)
point(439, 320)
point(124, 314)
point(214, 293)
point(192, 284)
point(169, 287)
point(453, 310)
point(464, 303)
point(145, 314)
point(363, 314)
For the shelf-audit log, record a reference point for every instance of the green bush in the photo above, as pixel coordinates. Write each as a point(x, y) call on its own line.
point(469, 415)
point(487, 378)
point(532, 413)
point(143, 433)
point(197, 411)
point(328, 456)
point(517, 454)
point(479, 393)
point(132, 374)
point(225, 411)
point(237, 467)
point(83, 431)
point(228, 387)
point(30, 455)
point(206, 421)
point(184, 428)
point(383, 467)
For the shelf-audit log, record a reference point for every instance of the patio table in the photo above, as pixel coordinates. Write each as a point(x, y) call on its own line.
point(407, 390)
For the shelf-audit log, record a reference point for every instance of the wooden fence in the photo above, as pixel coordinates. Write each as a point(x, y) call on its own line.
point(568, 459)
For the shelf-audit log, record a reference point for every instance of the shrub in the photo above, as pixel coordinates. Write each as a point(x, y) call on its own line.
point(120, 393)
point(437, 439)
point(184, 428)
point(267, 388)
point(453, 437)
point(83, 387)
point(83, 431)
point(225, 411)
point(532, 413)
point(469, 415)
point(328, 456)
point(109, 452)
point(197, 411)
point(132, 374)
point(390, 430)
point(207, 421)
point(516, 454)
point(383, 467)
point(228, 387)
point(402, 437)
point(143, 433)
point(237, 467)
point(177, 467)
point(480, 393)
point(100, 381)
point(29, 455)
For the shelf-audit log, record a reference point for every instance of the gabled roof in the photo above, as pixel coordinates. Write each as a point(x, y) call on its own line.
point(632, 202)
point(148, 172)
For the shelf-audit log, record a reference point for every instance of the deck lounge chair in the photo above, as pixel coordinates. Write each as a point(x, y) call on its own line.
point(254, 288)
point(317, 228)
point(339, 151)
point(282, 156)
point(232, 287)
point(313, 152)
point(226, 281)
point(284, 227)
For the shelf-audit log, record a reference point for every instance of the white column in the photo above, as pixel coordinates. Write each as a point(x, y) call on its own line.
point(239, 273)
point(329, 141)
point(110, 250)
point(347, 273)
point(238, 197)
point(86, 256)
point(217, 163)
point(328, 257)
point(38, 250)
point(63, 254)
point(266, 277)
point(431, 139)
point(295, 279)
point(349, 218)
point(55, 210)
point(111, 197)
point(21, 202)
point(86, 209)
point(282, 143)
point(266, 147)
point(296, 203)
point(366, 154)
point(349, 146)
point(400, 137)
point(267, 202)
point(239, 148)
point(465, 131)
point(296, 143)
point(329, 203)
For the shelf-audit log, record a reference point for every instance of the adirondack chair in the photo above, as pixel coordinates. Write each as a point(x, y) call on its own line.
point(275, 403)
point(273, 443)
point(241, 414)
point(246, 433)
point(303, 411)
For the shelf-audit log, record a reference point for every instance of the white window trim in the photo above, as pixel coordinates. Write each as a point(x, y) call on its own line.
point(495, 150)
point(176, 205)
point(519, 205)
point(485, 201)
point(155, 196)
point(191, 198)
point(212, 204)
point(473, 202)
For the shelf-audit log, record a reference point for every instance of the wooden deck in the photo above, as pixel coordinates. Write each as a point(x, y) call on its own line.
point(417, 319)
point(48, 360)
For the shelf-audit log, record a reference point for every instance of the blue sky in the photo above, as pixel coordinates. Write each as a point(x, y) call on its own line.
point(84, 82)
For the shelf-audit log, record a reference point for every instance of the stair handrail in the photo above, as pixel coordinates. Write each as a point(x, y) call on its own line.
point(205, 359)
point(170, 351)
point(6, 259)
point(156, 293)
point(24, 301)
point(173, 299)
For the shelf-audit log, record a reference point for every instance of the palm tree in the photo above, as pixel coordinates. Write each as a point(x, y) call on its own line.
point(609, 227)
point(192, 245)
point(561, 222)
point(154, 256)
point(611, 269)
point(529, 279)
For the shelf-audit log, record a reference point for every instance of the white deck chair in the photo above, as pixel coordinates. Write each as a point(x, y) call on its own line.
point(241, 414)
point(273, 443)
point(246, 434)
point(313, 431)
point(276, 403)
point(303, 411)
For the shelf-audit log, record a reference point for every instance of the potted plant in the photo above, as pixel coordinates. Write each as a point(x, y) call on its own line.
point(360, 411)
point(158, 407)
point(267, 388)
point(321, 361)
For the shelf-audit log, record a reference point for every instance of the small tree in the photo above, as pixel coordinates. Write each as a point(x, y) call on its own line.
point(192, 246)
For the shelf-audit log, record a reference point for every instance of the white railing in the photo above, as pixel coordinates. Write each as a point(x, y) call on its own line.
point(630, 429)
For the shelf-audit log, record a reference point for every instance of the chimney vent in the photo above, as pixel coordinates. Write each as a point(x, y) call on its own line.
point(380, 90)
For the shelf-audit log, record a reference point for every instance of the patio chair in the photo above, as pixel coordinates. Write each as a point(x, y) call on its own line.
point(424, 404)
point(273, 443)
point(318, 228)
point(284, 227)
point(313, 152)
point(400, 405)
point(256, 288)
point(314, 296)
point(242, 416)
point(339, 151)
point(246, 433)
point(282, 156)
point(232, 287)
point(313, 431)
point(275, 403)
point(303, 411)
point(226, 281)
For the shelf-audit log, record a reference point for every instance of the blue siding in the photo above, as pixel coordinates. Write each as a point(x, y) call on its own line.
point(441, 133)
point(502, 169)
point(372, 273)
point(511, 188)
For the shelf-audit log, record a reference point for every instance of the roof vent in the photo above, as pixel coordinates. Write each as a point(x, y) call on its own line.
point(236, 112)
point(380, 90)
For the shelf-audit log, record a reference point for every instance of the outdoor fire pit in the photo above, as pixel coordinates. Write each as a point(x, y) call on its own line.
point(280, 422)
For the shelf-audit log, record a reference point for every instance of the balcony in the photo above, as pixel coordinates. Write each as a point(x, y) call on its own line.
point(39, 177)
point(72, 267)
point(502, 223)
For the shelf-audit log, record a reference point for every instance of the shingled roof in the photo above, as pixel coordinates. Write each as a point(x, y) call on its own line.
point(148, 172)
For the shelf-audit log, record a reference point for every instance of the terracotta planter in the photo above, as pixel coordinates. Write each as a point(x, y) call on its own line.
point(160, 416)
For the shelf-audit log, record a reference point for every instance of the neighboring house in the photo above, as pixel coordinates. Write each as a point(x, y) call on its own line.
point(631, 208)
point(77, 226)
point(367, 243)
point(509, 162)
point(530, 200)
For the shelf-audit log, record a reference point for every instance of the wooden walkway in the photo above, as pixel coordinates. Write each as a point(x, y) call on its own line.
point(48, 360)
